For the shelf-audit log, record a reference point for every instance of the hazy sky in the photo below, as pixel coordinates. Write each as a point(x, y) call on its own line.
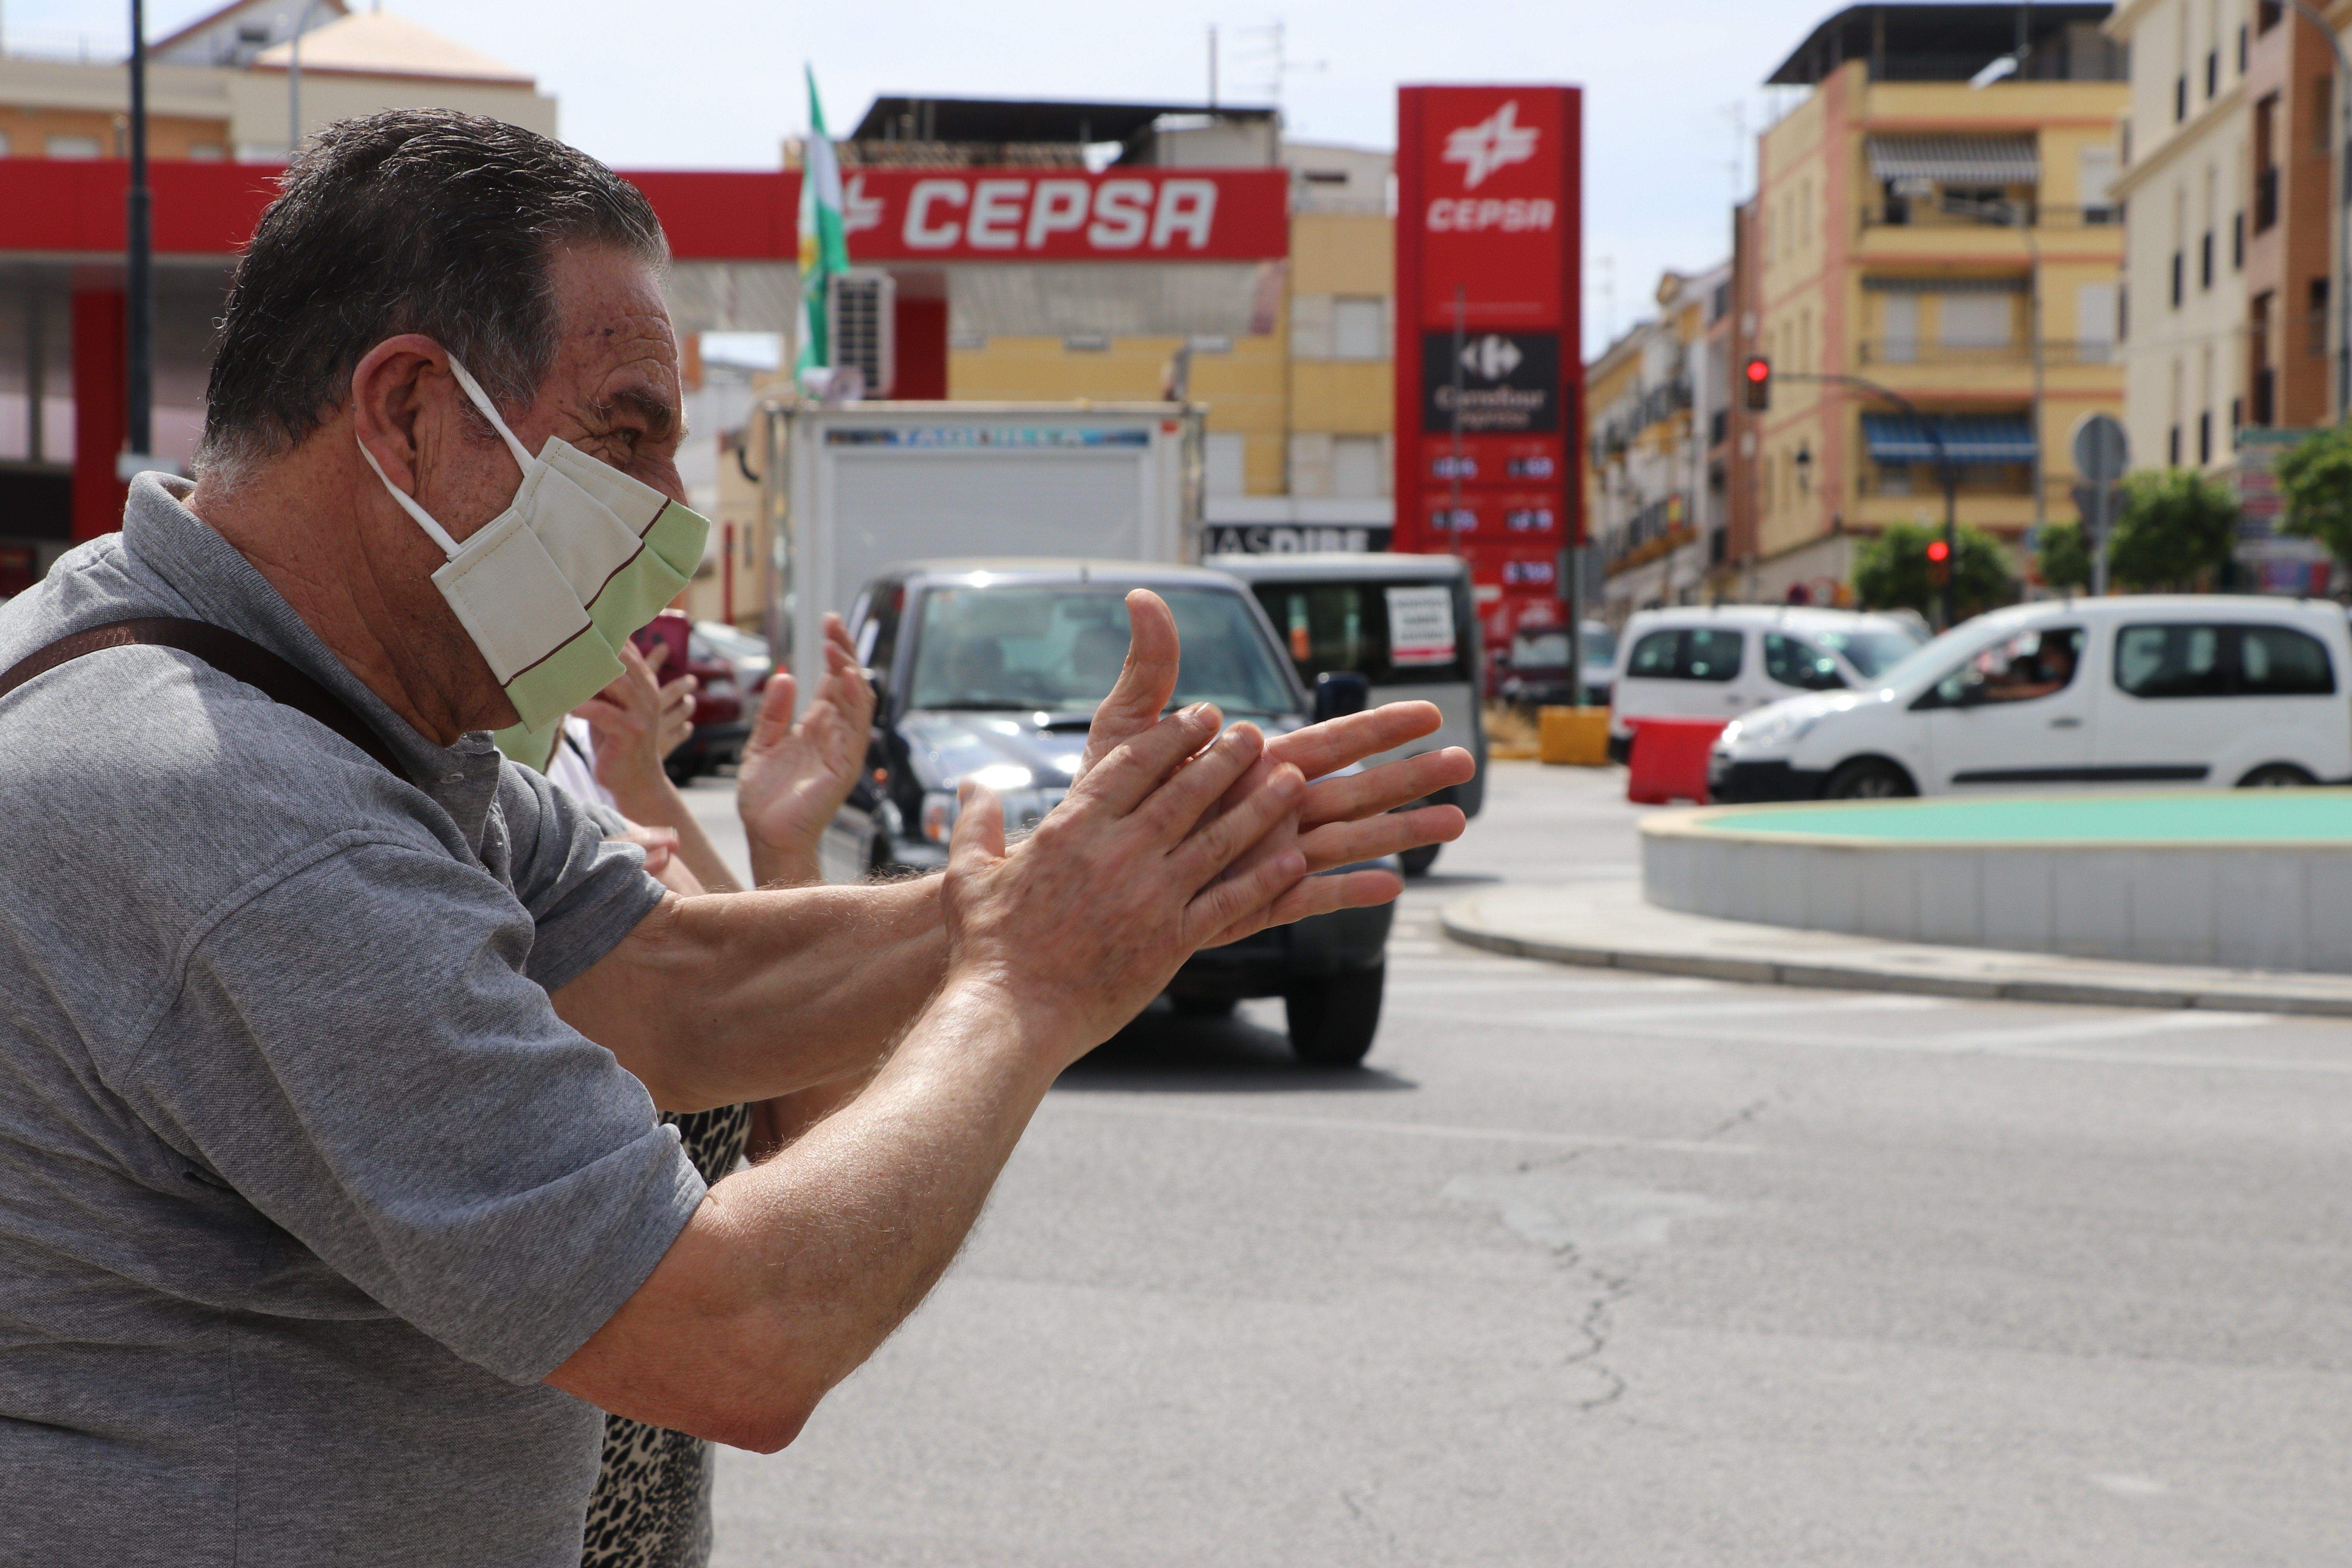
point(716, 83)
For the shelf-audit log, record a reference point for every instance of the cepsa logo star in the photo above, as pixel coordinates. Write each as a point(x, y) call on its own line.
point(1495, 142)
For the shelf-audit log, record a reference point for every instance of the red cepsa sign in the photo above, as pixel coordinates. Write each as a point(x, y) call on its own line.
point(1016, 215)
point(1490, 357)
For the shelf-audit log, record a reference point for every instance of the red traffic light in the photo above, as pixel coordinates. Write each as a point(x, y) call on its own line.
point(1759, 371)
point(1938, 552)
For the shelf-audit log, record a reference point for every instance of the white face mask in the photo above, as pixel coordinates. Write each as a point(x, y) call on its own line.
point(551, 587)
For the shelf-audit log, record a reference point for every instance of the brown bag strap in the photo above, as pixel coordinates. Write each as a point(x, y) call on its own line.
point(232, 655)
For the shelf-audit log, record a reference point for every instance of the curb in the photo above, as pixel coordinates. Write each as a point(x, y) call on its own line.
point(1866, 973)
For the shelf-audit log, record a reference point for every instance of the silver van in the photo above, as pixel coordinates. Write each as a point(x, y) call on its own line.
point(1405, 623)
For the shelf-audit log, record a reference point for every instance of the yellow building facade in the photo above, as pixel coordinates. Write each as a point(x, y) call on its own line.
point(1299, 415)
point(1910, 232)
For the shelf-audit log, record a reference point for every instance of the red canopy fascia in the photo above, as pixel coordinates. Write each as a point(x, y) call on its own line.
point(76, 208)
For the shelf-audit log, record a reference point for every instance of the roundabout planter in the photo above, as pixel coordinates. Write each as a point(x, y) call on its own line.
point(2242, 879)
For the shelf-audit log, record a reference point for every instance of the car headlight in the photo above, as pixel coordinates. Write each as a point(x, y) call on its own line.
point(1024, 809)
point(939, 815)
point(1773, 730)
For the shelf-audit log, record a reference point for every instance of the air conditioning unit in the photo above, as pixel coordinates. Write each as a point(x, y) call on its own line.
point(860, 318)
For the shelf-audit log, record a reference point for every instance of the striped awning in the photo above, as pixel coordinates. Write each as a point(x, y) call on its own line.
point(1970, 438)
point(1956, 160)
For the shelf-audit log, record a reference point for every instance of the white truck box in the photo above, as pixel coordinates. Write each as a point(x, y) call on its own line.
point(853, 489)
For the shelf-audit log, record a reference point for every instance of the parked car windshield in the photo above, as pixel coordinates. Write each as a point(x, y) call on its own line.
point(1548, 649)
point(1057, 648)
point(1871, 649)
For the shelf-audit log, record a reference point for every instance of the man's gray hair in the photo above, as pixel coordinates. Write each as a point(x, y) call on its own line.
point(413, 220)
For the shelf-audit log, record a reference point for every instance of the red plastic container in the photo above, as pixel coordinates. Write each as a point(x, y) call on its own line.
point(1669, 759)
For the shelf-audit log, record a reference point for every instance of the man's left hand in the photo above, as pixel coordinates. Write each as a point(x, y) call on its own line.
point(1343, 818)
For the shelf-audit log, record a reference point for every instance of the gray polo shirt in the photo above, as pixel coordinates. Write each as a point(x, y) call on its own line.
point(303, 1186)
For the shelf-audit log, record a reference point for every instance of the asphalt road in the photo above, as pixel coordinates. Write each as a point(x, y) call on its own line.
point(1601, 1269)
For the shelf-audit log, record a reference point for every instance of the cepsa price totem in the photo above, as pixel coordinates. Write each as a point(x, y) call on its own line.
point(1489, 354)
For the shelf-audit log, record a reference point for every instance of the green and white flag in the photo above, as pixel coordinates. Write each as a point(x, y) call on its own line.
point(824, 251)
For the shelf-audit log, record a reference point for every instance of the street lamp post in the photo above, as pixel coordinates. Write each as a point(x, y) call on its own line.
point(139, 260)
point(294, 79)
point(2343, 189)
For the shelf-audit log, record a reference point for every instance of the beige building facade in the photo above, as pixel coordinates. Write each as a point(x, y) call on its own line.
point(2190, 223)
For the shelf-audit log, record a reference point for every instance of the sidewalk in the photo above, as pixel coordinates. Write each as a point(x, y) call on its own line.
point(1608, 924)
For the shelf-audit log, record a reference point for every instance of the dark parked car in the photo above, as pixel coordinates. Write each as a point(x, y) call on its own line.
point(1537, 673)
point(720, 722)
point(991, 671)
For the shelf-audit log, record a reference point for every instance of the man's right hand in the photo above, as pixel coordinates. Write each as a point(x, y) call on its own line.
point(1087, 920)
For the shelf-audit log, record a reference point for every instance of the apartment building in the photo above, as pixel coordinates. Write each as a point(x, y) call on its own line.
point(1657, 483)
point(1958, 245)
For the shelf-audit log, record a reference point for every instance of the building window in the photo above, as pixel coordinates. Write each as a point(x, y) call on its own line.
point(2242, 48)
point(1356, 468)
point(2319, 318)
point(2205, 261)
point(2238, 242)
point(2172, 447)
point(1356, 328)
point(2204, 437)
point(2237, 413)
point(2267, 14)
point(2177, 273)
point(2123, 313)
point(2212, 72)
point(2266, 151)
point(2181, 96)
point(72, 147)
point(1224, 466)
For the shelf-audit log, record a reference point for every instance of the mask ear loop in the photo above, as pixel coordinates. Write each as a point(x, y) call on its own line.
point(489, 411)
point(408, 504)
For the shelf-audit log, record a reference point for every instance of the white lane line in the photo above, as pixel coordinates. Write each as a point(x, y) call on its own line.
point(1517, 983)
point(2186, 1022)
point(1122, 1106)
point(1984, 1043)
point(1730, 1009)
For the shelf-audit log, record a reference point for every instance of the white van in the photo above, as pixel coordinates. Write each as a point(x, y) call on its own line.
point(1405, 623)
point(1719, 661)
point(2143, 689)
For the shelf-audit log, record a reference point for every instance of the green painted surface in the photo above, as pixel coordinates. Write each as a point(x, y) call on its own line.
point(2218, 816)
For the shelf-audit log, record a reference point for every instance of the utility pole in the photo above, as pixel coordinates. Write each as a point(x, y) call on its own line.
point(1212, 65)
point(139, 260)
point(294, 80)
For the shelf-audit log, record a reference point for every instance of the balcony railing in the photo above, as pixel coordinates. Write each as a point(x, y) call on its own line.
point(1928, 211)
point(2055, 351)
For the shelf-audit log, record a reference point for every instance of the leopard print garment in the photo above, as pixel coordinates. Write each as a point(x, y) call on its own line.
point(651, 1508)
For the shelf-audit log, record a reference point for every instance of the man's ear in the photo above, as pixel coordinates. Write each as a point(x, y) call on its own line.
point(400, 395)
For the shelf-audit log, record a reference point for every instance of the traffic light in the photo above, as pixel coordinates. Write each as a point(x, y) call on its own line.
point(1758, 374)
point(1939, 562)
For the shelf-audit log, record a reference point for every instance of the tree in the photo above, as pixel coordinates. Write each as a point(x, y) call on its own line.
point(2177, 526)
point(2315, 478)
point(1893, 572)
point(2064, 556)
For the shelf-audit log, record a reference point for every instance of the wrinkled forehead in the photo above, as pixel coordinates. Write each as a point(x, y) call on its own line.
point(611, 318)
